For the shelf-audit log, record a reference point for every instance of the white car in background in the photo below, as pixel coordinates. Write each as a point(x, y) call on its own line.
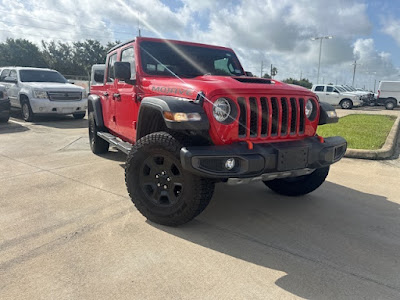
point(335, 95)
point(38, 91)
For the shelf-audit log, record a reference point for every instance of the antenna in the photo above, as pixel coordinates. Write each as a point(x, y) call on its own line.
point(138, 19)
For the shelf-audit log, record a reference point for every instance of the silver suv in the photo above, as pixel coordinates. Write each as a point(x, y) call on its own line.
point(43, 91)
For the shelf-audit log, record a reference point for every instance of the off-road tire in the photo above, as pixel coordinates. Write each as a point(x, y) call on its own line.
point(186, 195)
point(346, 104)
point(26, 109)
point(79, 116)
point(390, 104)
point(5, 118)
point(298, 186)
point(97, 144)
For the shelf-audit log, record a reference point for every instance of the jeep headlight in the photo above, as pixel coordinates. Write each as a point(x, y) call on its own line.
point(84, 94)
point(221, 109)
point(40, 94)
point(309, 108)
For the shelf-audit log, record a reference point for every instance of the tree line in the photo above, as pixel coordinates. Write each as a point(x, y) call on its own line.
point(74, 58)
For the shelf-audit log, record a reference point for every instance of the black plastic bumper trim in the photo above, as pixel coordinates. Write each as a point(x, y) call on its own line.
point(264, 158)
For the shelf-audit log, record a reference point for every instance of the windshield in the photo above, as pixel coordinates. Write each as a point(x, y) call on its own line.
point(346, 89)
point(168, 59)
point(340, 89)
point(41, 76)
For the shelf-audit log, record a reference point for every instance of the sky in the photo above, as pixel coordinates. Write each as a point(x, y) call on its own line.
point(261, 32)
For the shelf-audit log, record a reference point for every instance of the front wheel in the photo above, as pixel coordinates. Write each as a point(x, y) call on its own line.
point(346, 104)
point(27, 113)
point(158, 185)
point(5, 117)
point(298, 186)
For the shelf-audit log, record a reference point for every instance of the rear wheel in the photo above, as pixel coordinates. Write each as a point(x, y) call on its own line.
point(298, 186)
point(79, 115)
point(27, 113)
point(346, 104)
point(390, 104)
point(158, 185)
point(97, 144)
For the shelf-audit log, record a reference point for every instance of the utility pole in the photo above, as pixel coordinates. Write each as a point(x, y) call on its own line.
point(320, 38)
point(354, 71)
point(262, 69)
point(271, 72)
point(301, 75)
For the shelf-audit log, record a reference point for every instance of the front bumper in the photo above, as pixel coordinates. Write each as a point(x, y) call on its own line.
point(45, 106)
point(265, 158)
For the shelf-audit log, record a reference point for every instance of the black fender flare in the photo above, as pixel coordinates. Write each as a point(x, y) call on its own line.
point(173, 104)
point(324, 118)
point(94, 105)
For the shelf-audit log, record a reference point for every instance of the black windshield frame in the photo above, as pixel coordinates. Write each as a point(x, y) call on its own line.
point(41, 76)
point(183, 60)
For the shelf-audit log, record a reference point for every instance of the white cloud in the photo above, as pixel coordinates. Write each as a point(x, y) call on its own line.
point(275, 32)
point(392, 28)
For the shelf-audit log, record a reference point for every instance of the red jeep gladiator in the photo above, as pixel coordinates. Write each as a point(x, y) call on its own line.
point(188, 117)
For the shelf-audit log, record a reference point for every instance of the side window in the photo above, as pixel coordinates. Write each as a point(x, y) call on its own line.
point(110, 67)
point(13, 74)
point(329, 89)
point(4, 74)
point(319, 88)
point(128, 55)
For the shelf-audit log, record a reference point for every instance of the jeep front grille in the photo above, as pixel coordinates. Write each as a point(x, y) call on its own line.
point(65, 96)
point(261, 117)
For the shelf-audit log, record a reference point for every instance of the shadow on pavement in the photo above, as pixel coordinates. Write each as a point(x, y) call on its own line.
point(55, 121)
point(11, 127)
point(334, 243)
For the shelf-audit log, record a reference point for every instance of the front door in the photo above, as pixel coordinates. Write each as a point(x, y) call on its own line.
point(126, 104)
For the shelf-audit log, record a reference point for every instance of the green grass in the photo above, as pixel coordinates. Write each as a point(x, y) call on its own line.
point(360, 131)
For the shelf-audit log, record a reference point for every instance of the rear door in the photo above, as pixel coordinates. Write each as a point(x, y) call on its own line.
point(108, 104)
point(126, 104)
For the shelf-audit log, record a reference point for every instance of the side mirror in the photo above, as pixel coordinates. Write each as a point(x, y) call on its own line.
point(122, 71)
point(98, 76)
point(10, 80)
point(71, 82)
point(249, 74)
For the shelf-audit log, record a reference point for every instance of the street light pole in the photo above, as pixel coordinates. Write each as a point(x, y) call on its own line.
point(320, 38)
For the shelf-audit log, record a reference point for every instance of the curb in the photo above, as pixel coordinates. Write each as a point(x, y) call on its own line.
point(385, 152)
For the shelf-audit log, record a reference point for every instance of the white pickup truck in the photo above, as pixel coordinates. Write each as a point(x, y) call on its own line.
point(43, 91)
point(336, 96)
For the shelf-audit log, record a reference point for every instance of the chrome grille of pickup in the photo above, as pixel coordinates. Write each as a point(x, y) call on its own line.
point(262, 117)
point(65, 96)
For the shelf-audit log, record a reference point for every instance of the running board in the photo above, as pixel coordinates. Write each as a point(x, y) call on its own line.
point(114, 141)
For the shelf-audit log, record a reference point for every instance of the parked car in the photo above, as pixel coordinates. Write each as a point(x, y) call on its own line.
point(367, 97)
point(336, 95)
point(4, 105)
point(389, 94)
point(39, 91)
point(97, 75)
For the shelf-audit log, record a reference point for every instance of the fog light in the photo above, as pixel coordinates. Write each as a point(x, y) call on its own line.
point(230, 164)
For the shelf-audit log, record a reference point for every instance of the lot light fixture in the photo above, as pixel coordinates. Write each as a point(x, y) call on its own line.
point(320, 38)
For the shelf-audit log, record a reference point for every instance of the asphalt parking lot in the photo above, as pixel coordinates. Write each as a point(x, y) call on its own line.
point(69, 230)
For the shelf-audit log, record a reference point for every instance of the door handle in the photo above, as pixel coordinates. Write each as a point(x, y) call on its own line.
point(105, 94)
point(117, 96)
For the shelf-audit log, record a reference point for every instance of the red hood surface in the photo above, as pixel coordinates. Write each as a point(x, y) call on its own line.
point(218, 85)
